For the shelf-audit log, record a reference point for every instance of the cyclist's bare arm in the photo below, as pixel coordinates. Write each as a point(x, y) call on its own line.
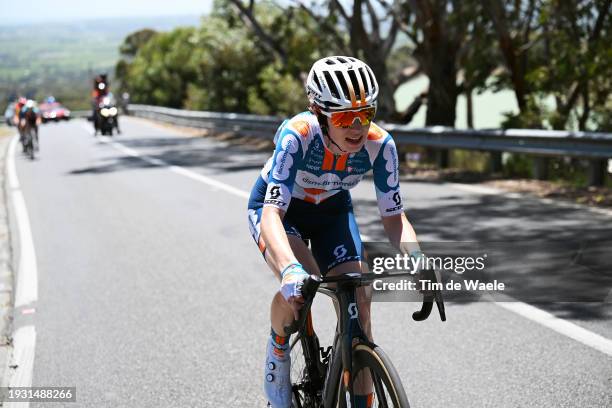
point(400, 233)
point(278, 250)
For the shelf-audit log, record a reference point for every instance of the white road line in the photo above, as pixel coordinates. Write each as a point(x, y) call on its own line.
point(24, 338)
point(561, 326)
point(182, 171)
point(27, 278)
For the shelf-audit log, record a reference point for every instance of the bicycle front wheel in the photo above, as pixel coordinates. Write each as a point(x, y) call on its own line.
point(303, 385)
point(388, 390)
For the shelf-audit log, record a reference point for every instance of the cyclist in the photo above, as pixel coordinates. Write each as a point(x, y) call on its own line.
point(302, 194)
point(21, 101)
point(29, 114)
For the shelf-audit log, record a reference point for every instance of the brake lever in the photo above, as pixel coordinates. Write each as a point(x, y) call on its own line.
point(428, 300)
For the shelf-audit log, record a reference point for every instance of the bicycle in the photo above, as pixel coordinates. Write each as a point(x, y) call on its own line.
point(29, 138)
point(323, 377)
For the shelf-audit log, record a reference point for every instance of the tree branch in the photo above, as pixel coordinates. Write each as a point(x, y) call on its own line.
point(374, 20)
point(325, 27)
point(248, 18)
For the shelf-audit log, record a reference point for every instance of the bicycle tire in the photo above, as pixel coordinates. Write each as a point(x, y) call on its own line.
point(30, 144)
point(387, 387)
point(302, 389)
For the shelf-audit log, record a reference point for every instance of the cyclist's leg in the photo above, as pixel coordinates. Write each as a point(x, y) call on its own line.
point(277, 381)
point(281, 314)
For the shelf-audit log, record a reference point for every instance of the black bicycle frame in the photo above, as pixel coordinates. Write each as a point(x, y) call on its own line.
point(348, 329)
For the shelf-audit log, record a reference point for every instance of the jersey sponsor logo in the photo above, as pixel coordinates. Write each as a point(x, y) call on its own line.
point(340, 252)
point(392, 201)
point(397, 199)
point(391, 164)
point(327, 181)
point(275, 195)
point(284, 158)
point(275, 192)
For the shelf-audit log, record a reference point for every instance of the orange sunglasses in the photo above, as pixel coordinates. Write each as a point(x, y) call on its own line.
point(345, 119)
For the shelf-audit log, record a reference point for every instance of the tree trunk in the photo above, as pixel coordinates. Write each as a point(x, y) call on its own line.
point(442, 95)
point(386, 98)
point(470, 108)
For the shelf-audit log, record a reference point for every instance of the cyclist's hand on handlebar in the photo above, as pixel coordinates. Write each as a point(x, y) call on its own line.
point(292, 280)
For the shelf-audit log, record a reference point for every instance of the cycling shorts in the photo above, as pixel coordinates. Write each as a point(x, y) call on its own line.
point(330, 226)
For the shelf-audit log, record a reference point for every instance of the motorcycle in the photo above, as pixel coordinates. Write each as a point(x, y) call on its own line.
point(106, 117)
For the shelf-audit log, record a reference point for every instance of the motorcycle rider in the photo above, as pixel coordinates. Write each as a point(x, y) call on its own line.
point(101, 91)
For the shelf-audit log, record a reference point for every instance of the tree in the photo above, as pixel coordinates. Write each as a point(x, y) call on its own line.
point(161, 70)
point(372, 34)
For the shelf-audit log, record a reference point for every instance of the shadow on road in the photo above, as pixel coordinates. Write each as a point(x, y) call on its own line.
point(188, 152)
point(551, 256)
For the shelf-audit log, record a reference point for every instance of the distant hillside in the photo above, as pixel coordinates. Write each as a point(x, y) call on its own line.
point(60, 58)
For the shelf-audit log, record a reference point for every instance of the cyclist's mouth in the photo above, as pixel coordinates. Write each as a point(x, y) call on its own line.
point(354, 141)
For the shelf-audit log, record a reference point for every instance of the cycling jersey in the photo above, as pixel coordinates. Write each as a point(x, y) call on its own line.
point(303, 168)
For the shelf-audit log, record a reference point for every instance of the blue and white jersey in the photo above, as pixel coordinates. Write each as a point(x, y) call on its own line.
point(303, 167)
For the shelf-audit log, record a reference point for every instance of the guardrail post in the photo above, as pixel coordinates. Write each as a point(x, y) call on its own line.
point(597, 172)
point(442, 158)
point(540, 168)
point(495, 162)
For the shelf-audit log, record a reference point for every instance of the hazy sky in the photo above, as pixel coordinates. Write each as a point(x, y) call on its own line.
point(15, 12)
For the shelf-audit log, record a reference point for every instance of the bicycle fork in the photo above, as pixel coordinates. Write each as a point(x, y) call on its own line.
point(350, 328)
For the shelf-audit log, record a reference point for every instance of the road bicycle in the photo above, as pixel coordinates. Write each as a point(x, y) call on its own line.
point(324, 377)
point(29, 140)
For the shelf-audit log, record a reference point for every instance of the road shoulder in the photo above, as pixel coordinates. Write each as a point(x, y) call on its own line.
point(6, 270)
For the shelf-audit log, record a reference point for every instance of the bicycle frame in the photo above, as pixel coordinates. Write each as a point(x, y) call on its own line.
point(325, 375)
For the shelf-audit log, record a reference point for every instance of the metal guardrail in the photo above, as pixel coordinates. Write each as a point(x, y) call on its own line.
point(538, 142)
point(253, 125)
point(80, 113)
point(591, 145)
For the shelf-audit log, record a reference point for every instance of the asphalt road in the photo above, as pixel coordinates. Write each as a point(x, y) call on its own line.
point(152, 293)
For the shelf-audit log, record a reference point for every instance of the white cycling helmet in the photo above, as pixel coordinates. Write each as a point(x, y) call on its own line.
point(341, 83)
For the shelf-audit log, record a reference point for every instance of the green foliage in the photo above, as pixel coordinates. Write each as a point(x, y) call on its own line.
point(161, 71)
point(220, 67)
point(518, 165)
point(469, 160)
point(280, 94)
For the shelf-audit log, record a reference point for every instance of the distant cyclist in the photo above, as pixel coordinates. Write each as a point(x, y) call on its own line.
point(28, 115)
point(302, 194)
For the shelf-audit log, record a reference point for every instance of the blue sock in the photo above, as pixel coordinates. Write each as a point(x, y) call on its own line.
point(280, 345)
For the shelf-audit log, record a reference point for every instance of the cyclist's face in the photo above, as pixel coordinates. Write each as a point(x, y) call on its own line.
point(350, 139)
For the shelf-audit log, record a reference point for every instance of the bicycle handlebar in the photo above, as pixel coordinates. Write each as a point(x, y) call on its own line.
point(311, 285)
point(428, 299)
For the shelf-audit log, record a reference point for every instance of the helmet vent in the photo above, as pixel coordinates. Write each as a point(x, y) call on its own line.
point(355, 84)
point(364, 81)
point(332, 86)
point(316, 79)
point(372, 81)
point(330, 62)
point(343, 84)
point(342, 60)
